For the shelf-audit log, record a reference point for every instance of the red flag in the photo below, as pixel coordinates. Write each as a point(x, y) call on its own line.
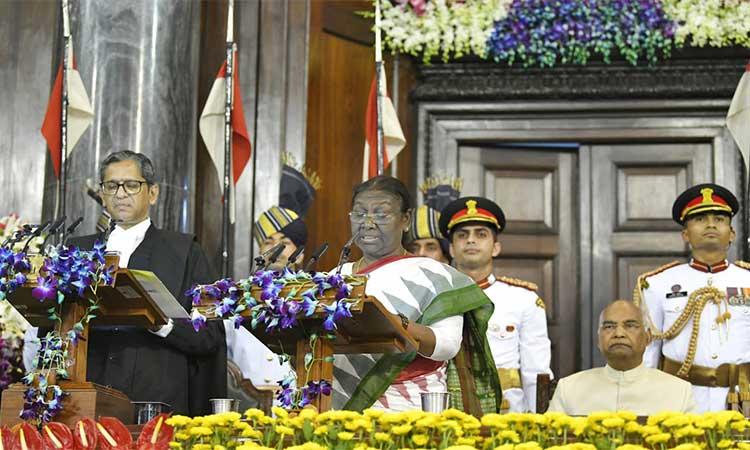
point(80, 115)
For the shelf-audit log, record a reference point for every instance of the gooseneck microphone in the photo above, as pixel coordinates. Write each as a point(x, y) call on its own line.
point(293, 257)
point(260, 260)
point(37, 232)
point(315, 257)
point(347, 250)
point(52, 230)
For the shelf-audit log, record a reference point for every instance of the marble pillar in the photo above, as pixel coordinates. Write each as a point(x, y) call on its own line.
point(27, 37)
point(139, 62)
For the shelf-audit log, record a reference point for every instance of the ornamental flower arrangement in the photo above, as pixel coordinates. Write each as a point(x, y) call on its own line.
point(71, 274)
point(449, 28)
point(259, 299)
point(455, 430)
point(547, 32)
point(716, 23)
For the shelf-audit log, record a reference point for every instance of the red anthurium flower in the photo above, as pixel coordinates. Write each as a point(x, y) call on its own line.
point(57, 436)
point(28, 437)
point(9, 439)
point(113, 435)
point(85, 434)
point(156, 434)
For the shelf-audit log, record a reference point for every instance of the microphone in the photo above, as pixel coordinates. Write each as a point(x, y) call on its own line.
point(73, 226)
point(18, 235)
point(52, 230)
point(275, 255)
point(316, 256)
point(293, 257)
point(260, 260)
point(37, 231)
point(347, 250)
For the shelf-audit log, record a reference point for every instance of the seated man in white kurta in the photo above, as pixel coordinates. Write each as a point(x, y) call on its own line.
point(624, 384)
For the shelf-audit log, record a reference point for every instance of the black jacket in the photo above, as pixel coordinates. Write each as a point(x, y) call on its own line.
point(184, 369)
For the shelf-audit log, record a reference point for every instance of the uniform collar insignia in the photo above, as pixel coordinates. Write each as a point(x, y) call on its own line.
point(703, 267)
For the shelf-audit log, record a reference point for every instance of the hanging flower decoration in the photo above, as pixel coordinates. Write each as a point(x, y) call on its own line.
point(260, 299)
point(67, 273)
point(717, 23)
point(448, 28)
point(548, 32)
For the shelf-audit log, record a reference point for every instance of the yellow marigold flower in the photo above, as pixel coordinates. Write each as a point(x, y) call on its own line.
point(581, 446)
point(294, 422)
point(323, 429)
point(400, 430)
point(633, 427)
point(743, 445)
point(627, 415)
point(469, 447)
point(658, 438)
point(373, 413)
point(528, 446)
point(598, 416)
point(201, 447)
point(504, 447)
point(345, 436)
point(687, 447)
point(684, 432)
point(724, 443)
point(356, 424)
point(658, 418)
point(200, 431)
point(466, 441)
point(284, 430)
point(631, 447)
point(675, 421)
point(252, 434)
point(219, 447)
point(241, 426)
point(648, 430)
point(739, 426)
point(307, 446)
point(613, 422)
point(452, 413)
point(175, 445)
point(382, 437)
point(429, 421)
point(420, 439)
point(178, 421)
point(279, 412)
point(181, 436)
point(252, 446)
point(509, 435)
point(308, 413)
point(493, 420)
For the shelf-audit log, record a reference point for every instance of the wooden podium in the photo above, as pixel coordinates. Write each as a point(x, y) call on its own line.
point(371, 329)
point(127, 301)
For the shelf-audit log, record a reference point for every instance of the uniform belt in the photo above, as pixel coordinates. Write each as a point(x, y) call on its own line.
point(509, 378)
point(725, 375)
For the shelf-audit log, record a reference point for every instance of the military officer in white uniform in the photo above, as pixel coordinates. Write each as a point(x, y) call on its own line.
point(700, 311)
point(518, 327)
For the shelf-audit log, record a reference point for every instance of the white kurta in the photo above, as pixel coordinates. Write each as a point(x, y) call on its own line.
point(643, 391)
point(666, 297)
point(517, 333)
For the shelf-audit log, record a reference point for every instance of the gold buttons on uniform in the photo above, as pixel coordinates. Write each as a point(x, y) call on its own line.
point(714, 356)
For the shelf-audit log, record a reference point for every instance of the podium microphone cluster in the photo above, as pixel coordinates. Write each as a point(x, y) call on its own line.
point(347, 250)
point(315, 257)
point(273, 253)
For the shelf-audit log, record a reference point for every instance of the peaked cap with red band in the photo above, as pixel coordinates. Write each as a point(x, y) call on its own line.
point(471, 209)
point(704, 198)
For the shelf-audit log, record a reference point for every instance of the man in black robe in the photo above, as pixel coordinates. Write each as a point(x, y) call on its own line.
point(171, 364)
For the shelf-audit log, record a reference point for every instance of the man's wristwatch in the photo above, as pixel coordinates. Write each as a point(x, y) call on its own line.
point(404, 321)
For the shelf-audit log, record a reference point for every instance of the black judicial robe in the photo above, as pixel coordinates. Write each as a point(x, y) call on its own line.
point(184, 369)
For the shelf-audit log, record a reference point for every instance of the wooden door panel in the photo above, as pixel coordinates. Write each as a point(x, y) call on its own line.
point(633, 188)
point(535, 189)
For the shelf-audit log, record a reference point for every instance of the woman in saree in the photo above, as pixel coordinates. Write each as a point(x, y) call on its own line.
point(439, 306)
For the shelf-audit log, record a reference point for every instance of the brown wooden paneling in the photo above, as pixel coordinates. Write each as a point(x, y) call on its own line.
point(340, 69)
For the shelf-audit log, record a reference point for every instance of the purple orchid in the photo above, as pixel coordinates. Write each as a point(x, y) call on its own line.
point(46, 289)
point(198, 320)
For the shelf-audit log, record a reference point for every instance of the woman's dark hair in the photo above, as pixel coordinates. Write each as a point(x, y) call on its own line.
point(386, 184)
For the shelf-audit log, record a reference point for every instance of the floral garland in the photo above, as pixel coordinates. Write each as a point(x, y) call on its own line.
point(454, 430)
point(717, 23)
point(549, 32)
point(450, 28)
point(546, 32)
point(229, 299)
point(67, 273)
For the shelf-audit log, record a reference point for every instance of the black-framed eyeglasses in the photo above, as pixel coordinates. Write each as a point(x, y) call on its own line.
point(130, 187)
point(378, 218)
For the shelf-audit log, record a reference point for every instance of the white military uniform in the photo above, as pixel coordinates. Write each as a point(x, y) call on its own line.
point(517, 333)
point(721, 339)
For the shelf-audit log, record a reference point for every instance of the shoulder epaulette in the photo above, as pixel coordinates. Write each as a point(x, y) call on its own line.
point(520, 283)
point(641, 282)
point(743, 264)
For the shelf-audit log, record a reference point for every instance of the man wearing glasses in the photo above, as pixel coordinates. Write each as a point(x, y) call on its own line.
point(172, 364)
